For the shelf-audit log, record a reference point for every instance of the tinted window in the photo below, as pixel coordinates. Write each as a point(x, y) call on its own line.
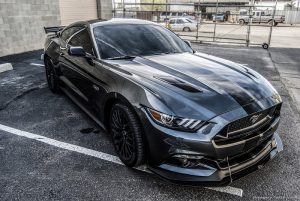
point(137, 40)
point(65, 35)
point(82, 39)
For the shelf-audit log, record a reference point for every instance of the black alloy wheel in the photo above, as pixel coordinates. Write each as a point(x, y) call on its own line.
point(126, 135)
point(51, 76)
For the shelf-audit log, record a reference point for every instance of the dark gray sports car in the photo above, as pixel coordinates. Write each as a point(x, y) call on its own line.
point(191, 117)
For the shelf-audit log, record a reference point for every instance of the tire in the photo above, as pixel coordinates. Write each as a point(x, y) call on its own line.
point(241, 22)
point(265, 46)
point(271, 23)
point(275, 24)
point(126, 133)
point(51, 76)
point(186, 29)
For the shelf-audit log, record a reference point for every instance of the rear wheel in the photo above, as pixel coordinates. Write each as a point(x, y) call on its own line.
point(51, 76)
point(241, 22)
point(126, 133)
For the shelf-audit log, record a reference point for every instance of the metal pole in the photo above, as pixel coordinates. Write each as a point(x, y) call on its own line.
point(217, 6)
point(271, 28)
point(114, 8)
point(198, 23)
point(123, 5)
point(152, 10)
point(249, 23)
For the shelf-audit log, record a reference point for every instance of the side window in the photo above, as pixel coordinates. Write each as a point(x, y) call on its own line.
point(180, 21)
point(82, 39)
point(172, 21)
point(67, 33)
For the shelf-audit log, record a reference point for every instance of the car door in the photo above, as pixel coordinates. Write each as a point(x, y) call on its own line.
point(180, 24)
point(78, 71)
point(64, 37)
point(172, 23)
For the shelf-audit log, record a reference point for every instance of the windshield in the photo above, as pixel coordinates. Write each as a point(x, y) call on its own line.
point(137, 40)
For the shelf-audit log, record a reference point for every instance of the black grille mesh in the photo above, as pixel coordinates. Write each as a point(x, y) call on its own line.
point(246, 121)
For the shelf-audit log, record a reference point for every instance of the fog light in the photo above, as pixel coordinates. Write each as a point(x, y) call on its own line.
point(188, 161)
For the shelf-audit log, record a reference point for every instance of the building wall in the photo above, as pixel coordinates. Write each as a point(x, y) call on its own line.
point(22, 22)
point(77, 10)
point(105, 9)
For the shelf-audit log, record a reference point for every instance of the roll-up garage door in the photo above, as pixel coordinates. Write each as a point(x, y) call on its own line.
point(77, 10)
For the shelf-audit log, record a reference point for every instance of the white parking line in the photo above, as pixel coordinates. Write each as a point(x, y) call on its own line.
point(5, 67)
point(35, 64)
point(98, 154)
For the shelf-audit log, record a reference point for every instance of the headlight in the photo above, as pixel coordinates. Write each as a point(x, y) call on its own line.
point(174, 122)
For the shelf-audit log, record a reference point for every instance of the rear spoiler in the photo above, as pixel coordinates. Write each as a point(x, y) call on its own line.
point(53, 29)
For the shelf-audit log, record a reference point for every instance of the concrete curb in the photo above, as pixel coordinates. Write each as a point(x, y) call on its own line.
point(5, 67)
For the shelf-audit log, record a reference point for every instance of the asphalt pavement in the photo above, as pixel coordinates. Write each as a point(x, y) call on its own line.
point(51, 150)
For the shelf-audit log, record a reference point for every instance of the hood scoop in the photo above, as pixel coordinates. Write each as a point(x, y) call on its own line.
point(179, 84)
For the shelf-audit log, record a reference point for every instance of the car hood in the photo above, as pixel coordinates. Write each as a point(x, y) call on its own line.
point(198, 84)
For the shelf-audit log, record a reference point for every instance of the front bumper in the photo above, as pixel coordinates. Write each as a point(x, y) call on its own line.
point(219, 164)
point(215, 177)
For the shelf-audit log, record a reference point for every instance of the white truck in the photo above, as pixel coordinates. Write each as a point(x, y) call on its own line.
point(259, 16)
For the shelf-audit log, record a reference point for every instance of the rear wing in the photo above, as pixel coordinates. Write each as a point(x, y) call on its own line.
point(53, 29)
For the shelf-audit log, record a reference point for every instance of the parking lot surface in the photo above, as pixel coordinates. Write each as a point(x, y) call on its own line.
point(66, 158)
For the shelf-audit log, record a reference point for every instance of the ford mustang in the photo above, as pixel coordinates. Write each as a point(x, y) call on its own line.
point(192, 118)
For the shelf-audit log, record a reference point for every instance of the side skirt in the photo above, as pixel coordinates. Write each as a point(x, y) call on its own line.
point(88, 111)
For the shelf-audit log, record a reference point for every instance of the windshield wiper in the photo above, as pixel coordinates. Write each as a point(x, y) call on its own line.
point(122, 57)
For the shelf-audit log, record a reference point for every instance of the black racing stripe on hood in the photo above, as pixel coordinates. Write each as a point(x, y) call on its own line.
point(235, 92)
point(248, 74)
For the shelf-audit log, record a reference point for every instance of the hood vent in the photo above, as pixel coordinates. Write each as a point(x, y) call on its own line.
point(179, 84)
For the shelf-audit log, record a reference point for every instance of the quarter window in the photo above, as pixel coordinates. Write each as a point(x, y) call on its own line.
point(67, 33)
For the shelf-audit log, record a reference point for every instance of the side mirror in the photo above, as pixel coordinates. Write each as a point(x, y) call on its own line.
point(77, 51)
point(188, 43)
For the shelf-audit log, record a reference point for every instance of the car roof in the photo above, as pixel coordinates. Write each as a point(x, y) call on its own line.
point(102, 22)
point(95, 23)
point(175, 18)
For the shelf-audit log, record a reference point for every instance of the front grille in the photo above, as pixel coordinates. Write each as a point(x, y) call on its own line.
point(244, 128)
point(249, 120)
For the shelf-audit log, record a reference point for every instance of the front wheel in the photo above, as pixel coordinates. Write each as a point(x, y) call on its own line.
point(126, 133)
point(186, 29)
point(241, 22)
point(52, 80)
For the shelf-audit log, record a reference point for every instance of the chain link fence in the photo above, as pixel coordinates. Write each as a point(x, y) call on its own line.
point(214, 22)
